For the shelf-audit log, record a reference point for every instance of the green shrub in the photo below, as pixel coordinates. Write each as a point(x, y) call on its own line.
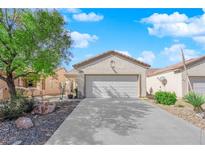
point(16, 107)
point(196, 100)
point(166, 98)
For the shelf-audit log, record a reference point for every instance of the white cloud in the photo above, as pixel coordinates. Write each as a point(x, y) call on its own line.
point(73, 10)
point(200, 39)
point(157, 18)
point(176, 25)
point(91, 17)
point(82, 40)
point(123, 52)
point(173, 53)
point(147, 57)
point(89, 55)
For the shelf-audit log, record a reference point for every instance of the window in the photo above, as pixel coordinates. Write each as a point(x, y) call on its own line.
point(30, 83)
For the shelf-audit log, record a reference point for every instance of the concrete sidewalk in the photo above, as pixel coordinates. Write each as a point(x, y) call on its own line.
point(124, 121)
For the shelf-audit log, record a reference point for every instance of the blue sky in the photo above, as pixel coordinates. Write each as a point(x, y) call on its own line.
point(154, 36)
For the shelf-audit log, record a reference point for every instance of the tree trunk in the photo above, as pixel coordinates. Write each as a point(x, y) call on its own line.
point(11, 86)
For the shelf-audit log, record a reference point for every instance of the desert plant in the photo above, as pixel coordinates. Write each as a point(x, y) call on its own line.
point(76, 92)
point(166, 98)
point(196, 100)
point(16, 107)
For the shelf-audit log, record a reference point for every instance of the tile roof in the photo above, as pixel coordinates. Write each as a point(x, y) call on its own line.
point(152, 72)
point(72, 72)
point(110, 53)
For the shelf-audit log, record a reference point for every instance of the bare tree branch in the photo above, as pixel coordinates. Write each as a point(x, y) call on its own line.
point(6, 15)
point(9, 23)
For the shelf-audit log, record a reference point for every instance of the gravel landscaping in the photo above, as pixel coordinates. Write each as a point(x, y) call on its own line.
point(44, 126)
point(183, 110)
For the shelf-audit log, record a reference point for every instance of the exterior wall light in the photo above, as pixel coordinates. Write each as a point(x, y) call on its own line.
point(112, 64)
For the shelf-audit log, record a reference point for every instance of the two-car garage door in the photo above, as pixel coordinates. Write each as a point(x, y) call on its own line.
point(109, 86)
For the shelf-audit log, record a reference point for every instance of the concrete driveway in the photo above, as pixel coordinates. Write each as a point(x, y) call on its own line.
point(124, 121)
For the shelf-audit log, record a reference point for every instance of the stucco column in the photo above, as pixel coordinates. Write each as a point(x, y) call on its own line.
point(143, 85)
point(81, 83)
point(139, 85)
point(185, 89)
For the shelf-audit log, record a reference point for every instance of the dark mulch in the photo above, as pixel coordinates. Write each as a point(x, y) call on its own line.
point(44, 126)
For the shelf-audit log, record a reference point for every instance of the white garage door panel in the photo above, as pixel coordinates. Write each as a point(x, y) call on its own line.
point(111, 86)
point(199, 85)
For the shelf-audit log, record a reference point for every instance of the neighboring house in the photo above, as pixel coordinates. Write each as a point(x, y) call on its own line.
point(175, 80)
point(48, 86)
point(110, 74)
point(51, 85)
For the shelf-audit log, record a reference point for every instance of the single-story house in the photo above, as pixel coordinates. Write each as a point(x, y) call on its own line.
point(173, 78)
point(52, 84)
point(46, 86)
point(110, 74)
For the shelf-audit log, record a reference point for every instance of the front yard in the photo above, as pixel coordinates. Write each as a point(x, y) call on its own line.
point(44, 126)
point(183, 110)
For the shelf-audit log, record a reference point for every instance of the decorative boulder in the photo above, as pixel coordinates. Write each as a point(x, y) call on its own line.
point(24, 122)
point(44, 108)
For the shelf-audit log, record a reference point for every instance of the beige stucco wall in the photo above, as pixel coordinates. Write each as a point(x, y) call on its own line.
point(103, 66)
point(174, 83)
point(52, 83)
point(3, 90)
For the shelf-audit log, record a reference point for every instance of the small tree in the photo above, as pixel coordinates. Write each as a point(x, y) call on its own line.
point(196, 100)
point(32, 43)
